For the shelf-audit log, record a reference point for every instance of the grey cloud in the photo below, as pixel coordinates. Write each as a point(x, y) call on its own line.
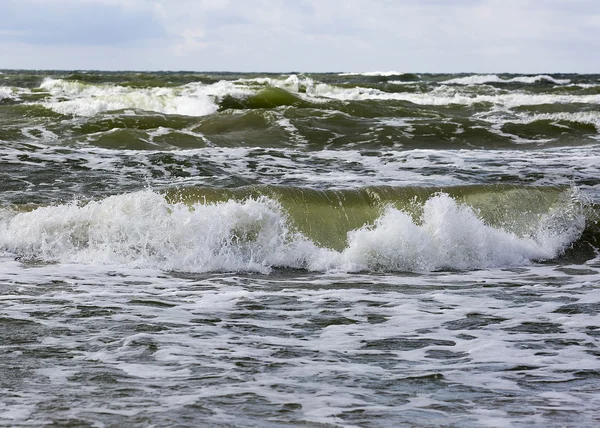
point(315, 35)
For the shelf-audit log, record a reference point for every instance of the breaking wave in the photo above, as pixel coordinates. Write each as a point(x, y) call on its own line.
point(374, 73)
point(82, 99)
point(148, 229)
point(76, 98)
point(6, 93)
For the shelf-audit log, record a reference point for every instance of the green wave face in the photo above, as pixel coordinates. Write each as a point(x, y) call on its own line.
point(326, 216)
point(259, 228)
point(265, 99)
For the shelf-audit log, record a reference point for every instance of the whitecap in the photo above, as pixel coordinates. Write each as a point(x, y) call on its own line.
point(481, 79)
point(143, 230)
point(373, 73)
point(80, 99)
point(6, 93)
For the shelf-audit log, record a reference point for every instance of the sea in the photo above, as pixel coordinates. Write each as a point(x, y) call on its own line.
point(376, 249)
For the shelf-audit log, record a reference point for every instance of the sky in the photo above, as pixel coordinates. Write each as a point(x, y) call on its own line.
point(487, 36)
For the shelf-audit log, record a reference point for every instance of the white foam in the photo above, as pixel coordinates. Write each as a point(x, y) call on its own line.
point(38, 133)
point(540, 78)
point(16, 413)
point(197, 99)
point(74, 98)
point(307, 88)
point(446, 95)
point(450, 236)
point(405, 82)
point(579, 165)
point(480, 79)
point(477, 79)
point(292, 83)
point(373, 73)
point(143, 230)
point(6, 93)
point(586, 117)
point(584, 85)
point(328, 369)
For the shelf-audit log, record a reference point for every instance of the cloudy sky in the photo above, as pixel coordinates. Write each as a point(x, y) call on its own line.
point(522, 36)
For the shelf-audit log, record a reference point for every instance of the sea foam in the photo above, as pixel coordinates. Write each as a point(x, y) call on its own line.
point(373, 73)
point(480, 79)
point(144, 230)
point(447, 95)
point(198, 99)
point(584, 117)
point(6, 93)
point(80, 99)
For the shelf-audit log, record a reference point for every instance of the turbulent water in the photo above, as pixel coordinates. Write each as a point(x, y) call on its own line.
point(356, 249)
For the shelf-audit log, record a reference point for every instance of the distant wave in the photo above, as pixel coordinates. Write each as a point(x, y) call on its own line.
point(480, 79)
point(374, 73)
point(198, 99)
point(82, 99)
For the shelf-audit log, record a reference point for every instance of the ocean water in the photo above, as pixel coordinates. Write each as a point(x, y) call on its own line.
point(372, 249)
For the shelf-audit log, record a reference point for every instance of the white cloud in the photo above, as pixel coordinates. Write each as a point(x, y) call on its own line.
point(191, 42)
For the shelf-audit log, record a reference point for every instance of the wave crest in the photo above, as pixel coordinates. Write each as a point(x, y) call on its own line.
point(143, 229)
point(481, 79)
point(82, 99)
